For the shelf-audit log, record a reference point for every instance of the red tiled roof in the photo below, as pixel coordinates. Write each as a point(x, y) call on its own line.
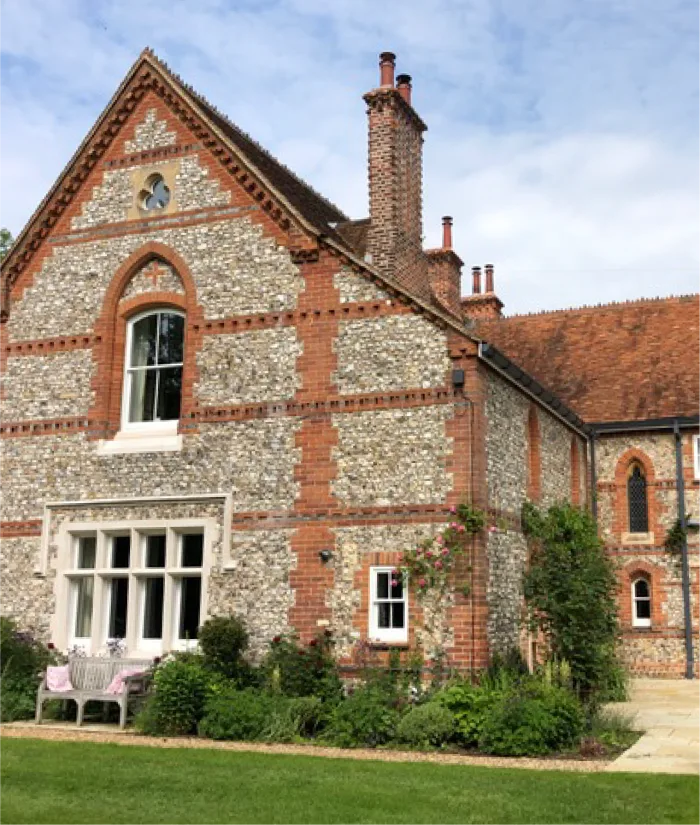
point(618, 362)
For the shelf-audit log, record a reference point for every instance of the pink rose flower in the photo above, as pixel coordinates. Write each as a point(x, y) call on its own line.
point(445, 552)
point(453, 509)
point(421, 583)
point(461, 528)
point(438, 565)
point(429, 553)
point(493, 529)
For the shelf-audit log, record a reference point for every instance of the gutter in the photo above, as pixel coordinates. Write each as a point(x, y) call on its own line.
point(685, 570)
point(669, 423)
point(509, 370)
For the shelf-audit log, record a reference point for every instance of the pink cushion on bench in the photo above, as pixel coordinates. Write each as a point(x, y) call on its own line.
point(58, 679)
point(117, 684)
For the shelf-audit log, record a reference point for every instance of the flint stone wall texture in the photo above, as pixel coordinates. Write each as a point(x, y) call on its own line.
point(48, 386)
point(556, 459)
point(143, 282)
point(354, 288)
point(236, 271)
point(113, 199)
point(248, 367)
point(254, 460)
point(506, 445)
point(257, 588)
point(389, 457)
point(650, 655)
point(507, 555)
point(151, 133)
point(353, 545)
point(29, 599)
point(399, 352)
point(659, 448)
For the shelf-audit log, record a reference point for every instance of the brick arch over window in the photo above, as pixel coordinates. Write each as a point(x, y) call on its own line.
point(534, 455)
point(110, 332)
point(639, 569)
point(575, 471)
point(625, 465)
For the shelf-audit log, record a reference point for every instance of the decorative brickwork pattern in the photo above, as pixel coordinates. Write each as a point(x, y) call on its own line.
point(393, 456)
point(151, 133)
point(400, 352)
point(248, 367)
point(156, 276)
point(48, 386)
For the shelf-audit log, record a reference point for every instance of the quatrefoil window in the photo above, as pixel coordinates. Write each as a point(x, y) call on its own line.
point(155, 194)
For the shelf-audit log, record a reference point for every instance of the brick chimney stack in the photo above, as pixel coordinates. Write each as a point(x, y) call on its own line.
point(394, 240)
point(488, 305)
point(445, 272)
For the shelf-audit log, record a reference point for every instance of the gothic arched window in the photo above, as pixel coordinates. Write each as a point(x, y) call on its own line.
point(637, 500)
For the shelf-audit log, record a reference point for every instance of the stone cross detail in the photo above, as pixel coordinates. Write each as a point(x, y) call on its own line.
point(154, 270)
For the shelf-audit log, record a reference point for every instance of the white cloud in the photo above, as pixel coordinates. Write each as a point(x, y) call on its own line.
point(563, 136)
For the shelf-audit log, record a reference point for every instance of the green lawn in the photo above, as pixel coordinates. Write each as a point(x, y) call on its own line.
point(83, 782)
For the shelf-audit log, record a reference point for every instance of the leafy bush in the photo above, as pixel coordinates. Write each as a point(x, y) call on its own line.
point(364, 719)
point(571, 593)
point(181, 687)
point(532, 719)
point(223, 640)
point(468, 705)
point(423, 725)
point(296, 670)
point(22, 659)
point(239, 714)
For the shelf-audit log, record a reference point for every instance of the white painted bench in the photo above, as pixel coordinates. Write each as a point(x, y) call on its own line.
point(90, 678)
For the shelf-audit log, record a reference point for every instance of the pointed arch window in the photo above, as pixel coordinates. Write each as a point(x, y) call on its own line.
point(637, 500)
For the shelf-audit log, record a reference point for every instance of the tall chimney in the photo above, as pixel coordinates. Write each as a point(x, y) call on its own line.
point(447, 232)
point(488, 269)
point(476, 280)
point(486, 306)
point(445, 272)
point(394, 239)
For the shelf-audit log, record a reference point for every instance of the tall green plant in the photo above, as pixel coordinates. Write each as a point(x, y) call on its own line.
point(570, 592)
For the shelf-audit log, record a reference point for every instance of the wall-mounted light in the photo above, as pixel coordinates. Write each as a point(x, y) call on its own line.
point(325, 556)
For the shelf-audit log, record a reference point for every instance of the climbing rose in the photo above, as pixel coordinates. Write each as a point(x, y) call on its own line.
point(445, 552)
point(438, 565)
point(421, 583)
point(276, 640)
point(313, 643)
point(453, 509)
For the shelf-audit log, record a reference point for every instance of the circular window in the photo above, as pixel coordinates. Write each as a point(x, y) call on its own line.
point(155, 194)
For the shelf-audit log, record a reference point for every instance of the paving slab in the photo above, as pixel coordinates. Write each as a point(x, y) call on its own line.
point(669, 713)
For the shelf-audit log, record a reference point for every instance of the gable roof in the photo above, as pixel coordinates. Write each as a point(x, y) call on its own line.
point(617, 362)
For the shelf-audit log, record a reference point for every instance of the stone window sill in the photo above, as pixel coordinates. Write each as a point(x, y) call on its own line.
point(165, 441)
point(638, 538)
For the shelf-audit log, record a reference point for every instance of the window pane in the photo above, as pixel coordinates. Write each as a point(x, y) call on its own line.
point(637, 502)
point(397, 614)
point(397, 590)
point(170, 342)
point(643, 609)
point(191, 593)
point(119, 602)
point(384, 615)
point(192, 550)
point(169, 393)
point(143, 395)
point(143, 342)
point(382, 585)
point(87, 548)
point(155, 551)
point(121, 551)
point(153, 608)
point(641, 588)
point(83, 607)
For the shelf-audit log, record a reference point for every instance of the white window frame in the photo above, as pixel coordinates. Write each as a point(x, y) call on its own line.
point(383, 634)
point(137, 573)
point(639, 621)
point(696, 456)
point(169, 426)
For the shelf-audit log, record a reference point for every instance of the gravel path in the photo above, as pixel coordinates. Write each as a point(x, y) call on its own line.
point(28, 730)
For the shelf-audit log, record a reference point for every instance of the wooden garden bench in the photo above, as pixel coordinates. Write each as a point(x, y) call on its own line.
point(90, 678)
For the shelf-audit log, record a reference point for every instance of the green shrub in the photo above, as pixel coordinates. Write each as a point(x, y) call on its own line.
point(223, 640)
point(364, 719)
point(532, 719)
point(22, 660)
point(242, 715)
point(469, 705)
point(424, 725)
point(296, 670)
point(181, 687)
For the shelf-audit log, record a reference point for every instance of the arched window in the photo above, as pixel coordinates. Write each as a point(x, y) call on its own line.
point(641, 603)
point(637, 500)
point(153, 374)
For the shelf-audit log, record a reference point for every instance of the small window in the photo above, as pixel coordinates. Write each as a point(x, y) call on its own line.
point(388, 606)
point(153, 380)
point(637, 500)
point(641, 603)
point(155, 195)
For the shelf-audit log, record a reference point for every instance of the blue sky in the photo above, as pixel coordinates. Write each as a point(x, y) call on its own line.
point(562, 134)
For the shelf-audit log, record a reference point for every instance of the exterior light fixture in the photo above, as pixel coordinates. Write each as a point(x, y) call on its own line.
point(325, 556)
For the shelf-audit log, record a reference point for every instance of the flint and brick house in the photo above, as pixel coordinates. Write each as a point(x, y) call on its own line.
point(220, 394)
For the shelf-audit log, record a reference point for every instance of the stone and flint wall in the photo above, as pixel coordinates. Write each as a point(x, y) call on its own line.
point(658, 650)
point(511, 464)
point(320, 404)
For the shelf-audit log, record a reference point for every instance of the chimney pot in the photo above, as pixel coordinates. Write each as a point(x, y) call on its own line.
point(476, 280)
point(387, 64)
point(447, 232)
point(403, 84)
point(488, 269)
